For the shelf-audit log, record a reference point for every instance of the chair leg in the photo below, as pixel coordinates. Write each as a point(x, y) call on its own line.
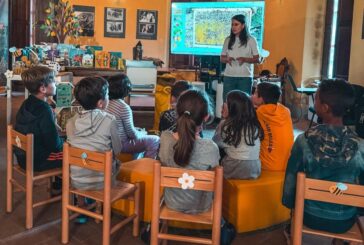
point(29, 204)
point(9, 189)
point(165, 230)
point(136, 210)
point(98, 209)
point(65, 218)
point(49, 186)
point(106, 224)
point(311, 121)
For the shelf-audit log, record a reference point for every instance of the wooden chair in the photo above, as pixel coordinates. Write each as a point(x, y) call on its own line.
point(25, 142)
point(306, 91)
point(101, 162)
point(281, 71)
point(204, 180)
point(319, 190)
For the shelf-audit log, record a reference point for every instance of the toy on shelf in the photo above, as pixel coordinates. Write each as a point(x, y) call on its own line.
point(102, 59)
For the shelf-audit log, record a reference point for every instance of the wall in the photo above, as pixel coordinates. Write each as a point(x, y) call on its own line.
point(314, 40)
point(152, 48)
point(356, 71)
point(284, 31)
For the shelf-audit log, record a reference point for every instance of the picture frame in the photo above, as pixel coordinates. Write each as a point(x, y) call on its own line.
point(147, 24)
point(114, 22)
point(86, 17)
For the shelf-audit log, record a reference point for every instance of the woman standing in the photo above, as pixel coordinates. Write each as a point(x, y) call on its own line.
point(240, 52)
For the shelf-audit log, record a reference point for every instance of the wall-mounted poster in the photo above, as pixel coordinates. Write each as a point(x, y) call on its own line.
point(114, 23)
point(4, 36)
point(147, 24)
point(86, 17)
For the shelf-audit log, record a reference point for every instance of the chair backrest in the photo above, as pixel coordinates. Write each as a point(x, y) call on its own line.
point(329, 191)
point(291, 81)
point(193, 180)
point(173, 177)
point(282, 67)
point(324, 191)
point(96, 161)
point(21, 141)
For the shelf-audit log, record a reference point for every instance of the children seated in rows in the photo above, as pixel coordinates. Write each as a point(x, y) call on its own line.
point(93, 129)
point(36, 117)
point(133, 140)
point(185, 149)
point(330, 151)
point(239, 134)
point(168, 118)
point(276, 122)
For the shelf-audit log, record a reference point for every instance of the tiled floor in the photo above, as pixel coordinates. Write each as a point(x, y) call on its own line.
point(47, 219)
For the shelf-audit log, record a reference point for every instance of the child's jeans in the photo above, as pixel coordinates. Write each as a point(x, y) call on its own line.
point(149, 144)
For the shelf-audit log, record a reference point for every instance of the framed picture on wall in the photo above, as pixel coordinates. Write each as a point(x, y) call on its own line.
point(86, 17)
point(114, 23)
point(147, 24)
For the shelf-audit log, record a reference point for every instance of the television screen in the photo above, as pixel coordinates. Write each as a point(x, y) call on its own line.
point(200, 28)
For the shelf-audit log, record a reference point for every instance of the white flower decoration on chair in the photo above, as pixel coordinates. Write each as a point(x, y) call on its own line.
point(18, 141)
point(8, 74)
point(186, 181)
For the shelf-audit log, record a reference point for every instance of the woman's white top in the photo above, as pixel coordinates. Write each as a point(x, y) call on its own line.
point(246, 51)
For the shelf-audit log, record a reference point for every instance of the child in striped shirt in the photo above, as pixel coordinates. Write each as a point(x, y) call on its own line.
point(133, 140)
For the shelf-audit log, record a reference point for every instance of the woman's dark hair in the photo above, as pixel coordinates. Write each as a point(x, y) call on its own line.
point(242, 119)
point(192, 108)
point(119, 86)
point(90, 90)
point(244, 34)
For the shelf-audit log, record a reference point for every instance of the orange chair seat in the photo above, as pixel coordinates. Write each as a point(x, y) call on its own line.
point(255, 204)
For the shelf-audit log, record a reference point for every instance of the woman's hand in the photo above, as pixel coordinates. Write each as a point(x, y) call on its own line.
point(241, 60)
point(227, 59)
point(224, 111)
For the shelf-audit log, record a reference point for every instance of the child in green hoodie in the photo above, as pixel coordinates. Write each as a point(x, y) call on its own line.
point(330, 151)
point(36, 117)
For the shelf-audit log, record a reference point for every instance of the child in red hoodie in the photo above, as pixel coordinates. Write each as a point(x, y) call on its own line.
point(276, 122)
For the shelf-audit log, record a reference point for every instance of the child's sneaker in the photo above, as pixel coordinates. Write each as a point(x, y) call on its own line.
point(81, 219)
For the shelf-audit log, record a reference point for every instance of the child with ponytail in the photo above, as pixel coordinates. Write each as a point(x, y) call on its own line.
point(186, 149)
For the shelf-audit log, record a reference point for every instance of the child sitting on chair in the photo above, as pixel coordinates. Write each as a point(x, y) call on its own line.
point(169, 118)
point(36, 117)
point(186, 149)
point(276, 122)
point(133, 141)
point(330, 151)
point(93, 129)
point(239, 135)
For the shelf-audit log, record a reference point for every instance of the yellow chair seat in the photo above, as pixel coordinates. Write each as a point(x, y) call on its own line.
point(255, 204)
point(141, 171)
